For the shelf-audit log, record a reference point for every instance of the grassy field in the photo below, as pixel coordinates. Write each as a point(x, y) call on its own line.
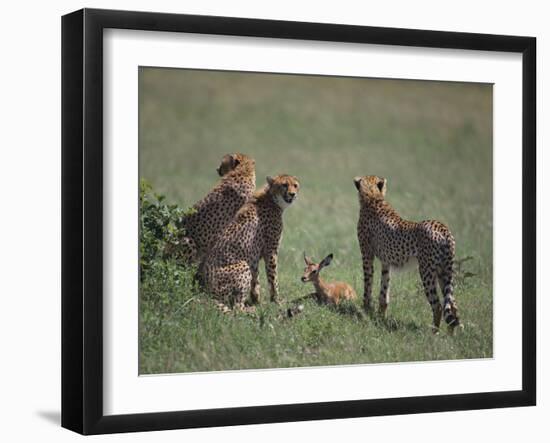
point(431, 140)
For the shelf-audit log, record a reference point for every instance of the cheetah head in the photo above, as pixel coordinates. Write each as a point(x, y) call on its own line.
point(231, 161)
point(283, 189)
point(371, 187)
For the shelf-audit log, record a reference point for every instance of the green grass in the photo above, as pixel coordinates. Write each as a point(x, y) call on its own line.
point(431, 140)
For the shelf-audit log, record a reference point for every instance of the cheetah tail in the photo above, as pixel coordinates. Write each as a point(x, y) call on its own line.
point(450, 311)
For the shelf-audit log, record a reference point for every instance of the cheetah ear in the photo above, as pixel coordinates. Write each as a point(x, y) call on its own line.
point(382, 185)
point(235, 160)
point(269, 180)
point(326, 261)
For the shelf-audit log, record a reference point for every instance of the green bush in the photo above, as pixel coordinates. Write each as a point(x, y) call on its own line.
point(168, 285)
point(160, 228)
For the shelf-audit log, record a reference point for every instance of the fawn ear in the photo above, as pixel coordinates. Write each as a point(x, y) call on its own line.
point(307, 259)
point(326, 261)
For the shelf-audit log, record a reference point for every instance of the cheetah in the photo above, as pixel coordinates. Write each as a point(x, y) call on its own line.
point(214, 212)
point(230, 269)
point(382, 233)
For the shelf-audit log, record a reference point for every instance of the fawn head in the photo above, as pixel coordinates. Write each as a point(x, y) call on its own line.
point(311, 271)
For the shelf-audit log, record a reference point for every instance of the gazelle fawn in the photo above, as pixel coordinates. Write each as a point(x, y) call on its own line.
point(326, 293)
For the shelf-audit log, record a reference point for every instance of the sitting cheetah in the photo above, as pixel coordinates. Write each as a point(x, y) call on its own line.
point(216, 210)
point(384, 234)
point(230, 269)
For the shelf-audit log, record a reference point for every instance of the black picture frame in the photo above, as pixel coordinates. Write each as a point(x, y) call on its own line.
point(82, 219)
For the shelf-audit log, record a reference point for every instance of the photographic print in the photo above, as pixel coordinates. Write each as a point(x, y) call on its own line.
point(303, 220)
point(258, 208)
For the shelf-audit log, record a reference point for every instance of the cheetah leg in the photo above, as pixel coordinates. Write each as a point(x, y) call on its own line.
point(242, 285)
point(384, 298)
point(429, 281)
point(191, 251)
point(225, 309)
point(368, 270)
point(231, 284)
point(254, 285)
point(450, 309)
point(186, 249)
point(271, 272)
point(222, 307)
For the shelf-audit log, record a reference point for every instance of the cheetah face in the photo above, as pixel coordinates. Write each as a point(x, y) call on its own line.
point(230, 162)
point(284, 189)
point(371, 187)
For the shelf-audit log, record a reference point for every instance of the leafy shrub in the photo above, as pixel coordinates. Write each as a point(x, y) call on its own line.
point(168, 285)
point(160, 228)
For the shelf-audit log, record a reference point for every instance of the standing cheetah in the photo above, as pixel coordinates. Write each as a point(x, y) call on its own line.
point(230, 270)
point(384, 234)
point(216, 210)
